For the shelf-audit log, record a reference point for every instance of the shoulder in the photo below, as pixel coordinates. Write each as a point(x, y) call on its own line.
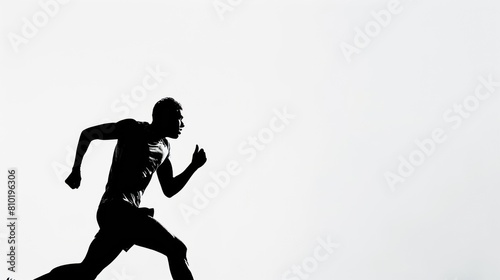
point(127, 123)
point(128, 127)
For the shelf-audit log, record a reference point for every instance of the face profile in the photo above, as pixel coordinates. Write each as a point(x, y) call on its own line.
point(176, 126)
point(167, 118)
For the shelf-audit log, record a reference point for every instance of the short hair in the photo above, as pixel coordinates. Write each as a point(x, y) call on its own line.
point(166, 107)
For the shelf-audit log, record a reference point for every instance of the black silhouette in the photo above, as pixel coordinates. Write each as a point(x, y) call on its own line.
point(142, 149)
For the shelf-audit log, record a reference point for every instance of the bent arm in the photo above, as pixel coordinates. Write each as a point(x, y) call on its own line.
point(171, 185)
point(104, 132)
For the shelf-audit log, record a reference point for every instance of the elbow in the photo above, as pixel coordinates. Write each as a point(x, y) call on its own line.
point(92, 133)
point(167, 187)
point(168, 193)
point(87, 135)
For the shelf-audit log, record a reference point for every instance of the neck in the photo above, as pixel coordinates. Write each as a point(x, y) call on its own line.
point(155, 132)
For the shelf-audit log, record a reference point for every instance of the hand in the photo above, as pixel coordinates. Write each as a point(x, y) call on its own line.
point(74, 179)
point(199, 157)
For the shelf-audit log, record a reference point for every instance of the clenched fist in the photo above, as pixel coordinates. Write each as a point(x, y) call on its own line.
point(74, 178)
point(199, 157)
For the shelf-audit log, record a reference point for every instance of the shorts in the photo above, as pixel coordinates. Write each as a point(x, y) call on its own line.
point(122, 222)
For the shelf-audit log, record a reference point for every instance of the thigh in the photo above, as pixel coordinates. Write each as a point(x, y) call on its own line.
point(122, 222)
point(150, 234)
point(102, 251)
point(135, 226)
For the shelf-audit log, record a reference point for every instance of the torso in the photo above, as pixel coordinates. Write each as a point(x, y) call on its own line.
point(135, 159)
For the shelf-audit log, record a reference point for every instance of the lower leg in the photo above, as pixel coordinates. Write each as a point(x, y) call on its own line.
point(102, 251)
point(179, 269)
point(69, 271)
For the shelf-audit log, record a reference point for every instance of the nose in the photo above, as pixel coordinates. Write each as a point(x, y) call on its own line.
point(182, 124)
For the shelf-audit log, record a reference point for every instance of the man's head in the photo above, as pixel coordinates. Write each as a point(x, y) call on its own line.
point(167, 117)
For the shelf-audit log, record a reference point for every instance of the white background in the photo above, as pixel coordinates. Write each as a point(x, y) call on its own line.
point(322, 176)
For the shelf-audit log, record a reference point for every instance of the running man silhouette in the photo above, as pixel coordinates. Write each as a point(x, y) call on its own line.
point(142, 149)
